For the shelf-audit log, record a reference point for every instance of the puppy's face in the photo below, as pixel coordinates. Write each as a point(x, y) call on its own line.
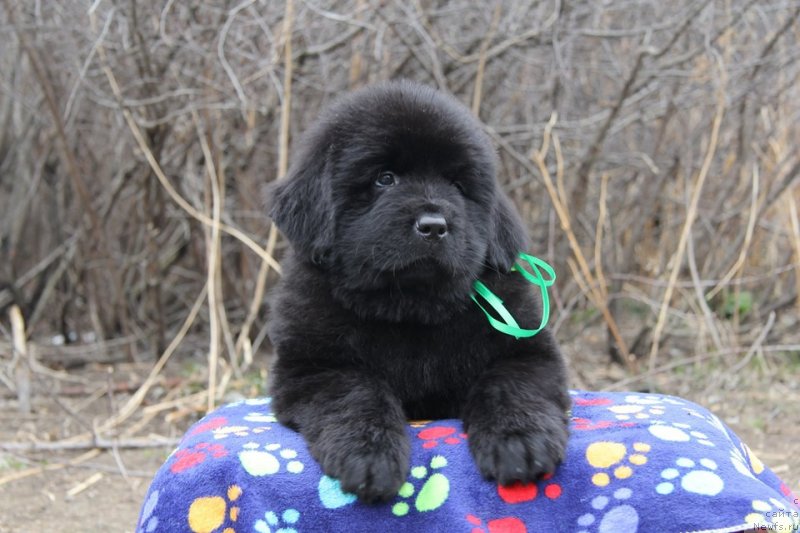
point(413, 206)
point(394, 194)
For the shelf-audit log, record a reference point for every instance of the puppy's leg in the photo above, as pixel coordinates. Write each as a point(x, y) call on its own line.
point(353, 424)
point(516, 414)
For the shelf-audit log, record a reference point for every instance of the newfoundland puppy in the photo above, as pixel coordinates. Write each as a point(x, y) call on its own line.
point(393, 211)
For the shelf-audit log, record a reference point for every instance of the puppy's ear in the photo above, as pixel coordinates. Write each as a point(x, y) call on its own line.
point(507, 235)
point(301, 205)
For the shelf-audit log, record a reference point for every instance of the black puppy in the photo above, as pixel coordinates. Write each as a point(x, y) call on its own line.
point(393, 211)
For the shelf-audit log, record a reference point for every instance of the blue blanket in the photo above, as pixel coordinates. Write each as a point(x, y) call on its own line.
point(635, 462)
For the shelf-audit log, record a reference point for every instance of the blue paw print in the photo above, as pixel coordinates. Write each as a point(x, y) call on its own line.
point(271, 520)
point(149, 523)
point(331, 494)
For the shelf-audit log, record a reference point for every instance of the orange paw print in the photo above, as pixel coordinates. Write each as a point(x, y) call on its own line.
point(613, 456)
point(208, 513)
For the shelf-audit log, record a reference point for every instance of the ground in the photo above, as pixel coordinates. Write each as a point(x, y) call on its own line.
point(103, 492)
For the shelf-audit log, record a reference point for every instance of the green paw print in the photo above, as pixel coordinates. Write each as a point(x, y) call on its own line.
point(433, 492)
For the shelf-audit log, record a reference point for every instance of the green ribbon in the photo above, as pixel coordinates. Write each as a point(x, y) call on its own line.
point(508, 325)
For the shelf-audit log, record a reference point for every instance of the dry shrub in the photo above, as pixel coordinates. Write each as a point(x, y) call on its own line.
point(92, 243)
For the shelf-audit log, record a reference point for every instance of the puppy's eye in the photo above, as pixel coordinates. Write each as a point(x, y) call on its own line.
point(385, 179)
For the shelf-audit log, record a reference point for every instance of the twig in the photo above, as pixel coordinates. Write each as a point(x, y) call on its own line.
point(478, 89)
point(162, 178)
point(212, 265)
point(598, 237)
point(91, 454)
point(244, 348)
point(755, 346)
point(748, 236)
point(85, 484)
point(795, 224)
point(71, 163)
point(135, 401)
point(701, 298)
point(559, 204)
point(223, 35)
point(677, 259)
point(96, 444)
point(22, 368)
point(243, 342)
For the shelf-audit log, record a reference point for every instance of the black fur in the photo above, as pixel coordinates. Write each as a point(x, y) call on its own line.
point(373, 323)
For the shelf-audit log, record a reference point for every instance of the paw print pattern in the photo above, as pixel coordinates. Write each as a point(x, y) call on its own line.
point(702, 480)
point(746, 462)
point(628, 411)
point(594, 402)
point(648, 399)
point(584, 424)
point(618, 517)
point(260, 418)
point(447, 434)
point(209, 513)
point(265, 462)
point(677, 432)
point(431, 495)
point(508, 524)
point(525, 492)
point(331, 494)
point(252, 402)
point(271, 521)
point(238, 431)
point(612, 456)
point(193, 456)
point(209, 425)
point(148, 522)
point(772, 515)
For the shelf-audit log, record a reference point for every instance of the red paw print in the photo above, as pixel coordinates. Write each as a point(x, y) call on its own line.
point(433, 435)
point(509, 524)
point(210, 424)
point(592, 401)
point(789, 494)
point(188, 458)
point(526, 492)
point(584, 424)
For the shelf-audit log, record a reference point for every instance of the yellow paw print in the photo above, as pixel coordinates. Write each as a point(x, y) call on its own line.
point(611, 455)
point(208, 513)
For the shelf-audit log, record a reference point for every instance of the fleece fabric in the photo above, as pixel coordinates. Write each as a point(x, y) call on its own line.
point(635, 462)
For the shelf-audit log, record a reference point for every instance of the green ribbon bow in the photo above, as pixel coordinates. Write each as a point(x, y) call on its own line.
point(508, 325)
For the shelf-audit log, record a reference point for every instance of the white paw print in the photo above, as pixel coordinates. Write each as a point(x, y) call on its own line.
point(620, 518)
point(264, 462)
point(650, 399)
point(746, 462)
point(712, 420)
point(261, 418)
point(251, 401)
point(773, 515)
point(642, 411)
point(703, 480)
point(236, 431)
point(677, 432)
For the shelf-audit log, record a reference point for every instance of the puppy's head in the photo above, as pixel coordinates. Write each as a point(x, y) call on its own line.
point(393, 191)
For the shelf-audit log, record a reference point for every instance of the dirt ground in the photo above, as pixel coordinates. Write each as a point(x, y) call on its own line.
point(102, 491)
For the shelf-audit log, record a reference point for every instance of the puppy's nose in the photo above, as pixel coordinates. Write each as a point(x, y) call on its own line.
point(431, 226)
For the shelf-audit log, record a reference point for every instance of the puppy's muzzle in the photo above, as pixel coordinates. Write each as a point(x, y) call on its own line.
point(431, 226)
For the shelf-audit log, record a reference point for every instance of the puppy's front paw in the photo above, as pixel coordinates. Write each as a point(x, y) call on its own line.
point(522, 455)
point(373, 471)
